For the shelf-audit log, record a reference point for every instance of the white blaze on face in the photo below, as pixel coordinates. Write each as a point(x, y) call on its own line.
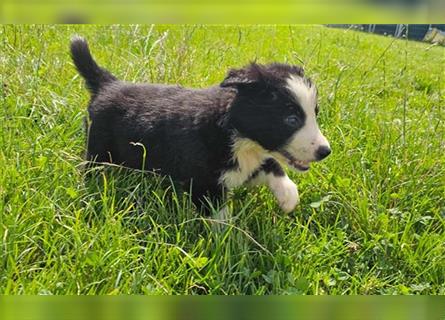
point(304, 143)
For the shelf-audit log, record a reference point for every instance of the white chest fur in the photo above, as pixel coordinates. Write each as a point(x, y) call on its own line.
point(249, 155)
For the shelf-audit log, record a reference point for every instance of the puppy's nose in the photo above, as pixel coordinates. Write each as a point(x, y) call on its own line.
point(322, 152)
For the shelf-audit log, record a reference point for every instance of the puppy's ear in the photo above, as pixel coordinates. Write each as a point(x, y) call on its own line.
point(241, 77)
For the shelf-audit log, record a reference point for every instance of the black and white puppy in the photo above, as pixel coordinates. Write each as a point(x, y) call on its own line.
point(215, 139)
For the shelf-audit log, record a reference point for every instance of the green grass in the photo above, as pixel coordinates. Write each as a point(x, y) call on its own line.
point(371, 219)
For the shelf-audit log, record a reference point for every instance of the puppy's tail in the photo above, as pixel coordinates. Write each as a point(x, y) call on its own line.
point(95, 76)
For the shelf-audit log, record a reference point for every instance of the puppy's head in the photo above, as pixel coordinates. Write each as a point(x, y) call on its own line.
point(276, 106)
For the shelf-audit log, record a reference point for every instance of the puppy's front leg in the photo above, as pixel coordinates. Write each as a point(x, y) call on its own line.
point(283, 188)
point(285, 191)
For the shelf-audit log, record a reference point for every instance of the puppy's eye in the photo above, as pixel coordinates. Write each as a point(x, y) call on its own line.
point(292, 121)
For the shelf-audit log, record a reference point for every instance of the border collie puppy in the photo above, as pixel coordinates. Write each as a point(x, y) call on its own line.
point(210, 139)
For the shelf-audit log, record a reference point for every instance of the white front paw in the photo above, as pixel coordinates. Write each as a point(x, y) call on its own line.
point(286, 192)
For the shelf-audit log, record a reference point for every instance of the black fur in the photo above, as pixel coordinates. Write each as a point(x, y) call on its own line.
point(95, 76)
point(186, 133)
point(270, 165)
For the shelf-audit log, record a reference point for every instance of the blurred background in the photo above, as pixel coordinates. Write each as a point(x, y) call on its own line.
point(228, 11)
point(434, 33)
point(215, 308)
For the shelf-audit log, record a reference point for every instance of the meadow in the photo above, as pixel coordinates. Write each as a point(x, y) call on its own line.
point(371, 218)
